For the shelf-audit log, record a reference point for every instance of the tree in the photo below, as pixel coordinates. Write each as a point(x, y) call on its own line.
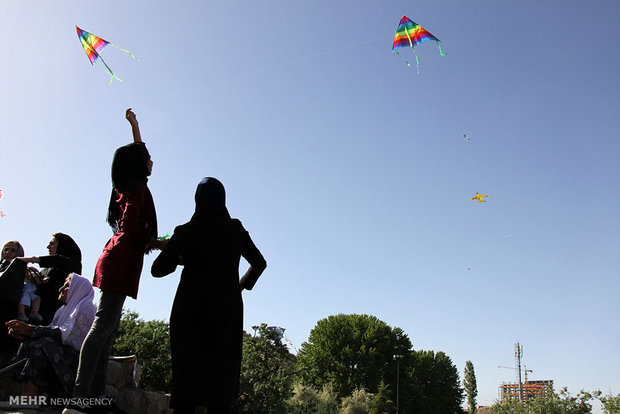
point(471, 388)
point(328, 401)
point(150, 342)
point(306, 400)
point(611, 404)
point(267, 370)
point(435, 384)
point(357, 403)
point(546, 403)
point(382, 402)
point(351, 352)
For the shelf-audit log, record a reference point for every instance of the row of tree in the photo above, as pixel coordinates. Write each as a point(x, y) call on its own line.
point(351, 364)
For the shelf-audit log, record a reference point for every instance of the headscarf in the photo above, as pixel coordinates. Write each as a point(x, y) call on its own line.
point(76, 316)
point(210, 199)
point(68, 247)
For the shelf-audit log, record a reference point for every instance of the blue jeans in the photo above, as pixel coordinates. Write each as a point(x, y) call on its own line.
point(95, 352)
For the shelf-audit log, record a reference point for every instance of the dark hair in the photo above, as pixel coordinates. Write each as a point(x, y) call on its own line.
point(130, 164)
point(68, 247)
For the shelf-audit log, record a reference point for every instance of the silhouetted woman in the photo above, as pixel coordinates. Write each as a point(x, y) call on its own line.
point(11, 283)
point(64, 258)
point(206, 322)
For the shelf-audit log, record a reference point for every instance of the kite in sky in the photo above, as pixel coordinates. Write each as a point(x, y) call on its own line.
point(280, 332)
point(164, 237)
point(479, 197)
point(466, 137)
point(411, 34)
point(92, 46)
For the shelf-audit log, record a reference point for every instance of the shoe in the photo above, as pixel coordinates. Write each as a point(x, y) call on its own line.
point(22, 317)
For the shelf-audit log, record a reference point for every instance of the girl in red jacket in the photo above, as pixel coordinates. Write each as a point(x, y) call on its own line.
point(131, 214)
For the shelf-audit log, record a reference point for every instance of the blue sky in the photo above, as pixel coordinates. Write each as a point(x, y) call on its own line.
point(347, 167)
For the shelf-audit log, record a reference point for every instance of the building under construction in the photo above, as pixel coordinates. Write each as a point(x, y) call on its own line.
point(529, 389)
point(523, 391)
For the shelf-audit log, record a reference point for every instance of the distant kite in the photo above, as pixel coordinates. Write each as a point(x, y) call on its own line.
point(2, 214)
point(411, 34)
point(479, 197)
point(92, 46)
point(466, 137)
point(280, 332)
point(164, 237)
point(1, 194)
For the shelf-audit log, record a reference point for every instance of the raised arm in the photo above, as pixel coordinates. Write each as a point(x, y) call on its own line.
point(135, 128)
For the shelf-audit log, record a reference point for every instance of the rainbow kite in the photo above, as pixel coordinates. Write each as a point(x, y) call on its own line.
point(409, 34)
point(92, 46)
point(280, 332)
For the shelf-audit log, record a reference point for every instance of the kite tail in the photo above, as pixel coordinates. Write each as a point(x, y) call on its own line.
point(124, 50)
point(417, 60)
point(406, 61)
point(440, 51)
point(112, 75)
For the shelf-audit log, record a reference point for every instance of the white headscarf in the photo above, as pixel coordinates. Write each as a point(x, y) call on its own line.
point(76, 316)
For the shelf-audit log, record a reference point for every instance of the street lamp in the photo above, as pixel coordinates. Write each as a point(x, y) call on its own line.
point(397, 358)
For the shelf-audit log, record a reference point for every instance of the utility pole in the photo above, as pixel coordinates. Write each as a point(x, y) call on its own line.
point(518, 355)
point(397, 358)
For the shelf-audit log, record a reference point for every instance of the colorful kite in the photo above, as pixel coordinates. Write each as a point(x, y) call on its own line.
point(411, 34)
point(479, 197)
point(92, 46)
point(280, 332)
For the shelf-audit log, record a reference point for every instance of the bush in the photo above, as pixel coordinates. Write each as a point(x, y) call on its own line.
point(150, 342)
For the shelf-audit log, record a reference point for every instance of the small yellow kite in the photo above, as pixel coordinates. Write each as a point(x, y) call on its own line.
point(480, 197)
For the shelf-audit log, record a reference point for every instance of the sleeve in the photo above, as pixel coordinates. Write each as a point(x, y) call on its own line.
point(52, 331)
point(168, 258)
point(257, 262)
point(54, 261)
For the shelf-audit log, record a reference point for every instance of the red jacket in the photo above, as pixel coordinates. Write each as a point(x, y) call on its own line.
point(120, 264)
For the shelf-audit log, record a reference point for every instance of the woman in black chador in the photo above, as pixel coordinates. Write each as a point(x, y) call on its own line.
point(65, 257)
point(206, 322)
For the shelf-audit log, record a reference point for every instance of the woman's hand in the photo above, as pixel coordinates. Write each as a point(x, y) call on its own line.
point(157, 244)
point(19, 329)
point(135, 128)
point(131, 117)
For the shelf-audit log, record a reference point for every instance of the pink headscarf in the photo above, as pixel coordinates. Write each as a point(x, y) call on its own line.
point(76, 316)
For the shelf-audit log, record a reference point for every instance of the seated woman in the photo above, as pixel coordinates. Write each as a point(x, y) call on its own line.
point(64, 257)
point(53, 351)
point(11, 283)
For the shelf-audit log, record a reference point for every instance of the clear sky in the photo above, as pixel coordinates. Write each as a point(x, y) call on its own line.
point(348, 168)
